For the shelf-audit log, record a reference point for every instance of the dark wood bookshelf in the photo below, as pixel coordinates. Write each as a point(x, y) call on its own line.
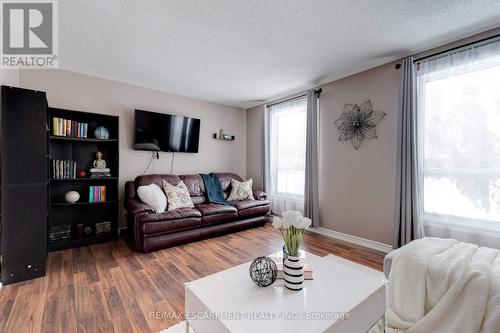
point(82, 151)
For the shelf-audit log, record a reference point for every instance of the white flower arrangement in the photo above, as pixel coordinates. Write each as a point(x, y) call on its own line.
point(292, 225)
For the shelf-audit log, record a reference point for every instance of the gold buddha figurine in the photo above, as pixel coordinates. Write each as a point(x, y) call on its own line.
point(99, 164)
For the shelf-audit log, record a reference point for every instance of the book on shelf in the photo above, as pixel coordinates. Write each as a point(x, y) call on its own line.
point(63, 169)
point(97, 194)
point(103, 228)
point(60, 232)
point(55, 126)
point(69, 128)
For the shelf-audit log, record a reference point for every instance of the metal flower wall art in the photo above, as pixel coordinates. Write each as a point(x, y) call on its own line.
point(358, 123)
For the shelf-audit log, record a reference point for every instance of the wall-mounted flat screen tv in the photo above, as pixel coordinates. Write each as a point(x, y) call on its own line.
point(165, 132)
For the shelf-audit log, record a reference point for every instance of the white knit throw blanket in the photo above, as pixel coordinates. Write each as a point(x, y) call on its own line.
point(441, 285)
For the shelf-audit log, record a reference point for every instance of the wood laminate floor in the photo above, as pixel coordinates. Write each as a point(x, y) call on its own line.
point(112, 288)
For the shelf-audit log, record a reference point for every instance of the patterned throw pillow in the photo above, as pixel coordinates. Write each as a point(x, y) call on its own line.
point(241, 190)
point(177, 196)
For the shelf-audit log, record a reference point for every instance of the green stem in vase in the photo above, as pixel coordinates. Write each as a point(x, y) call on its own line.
point(292, 237)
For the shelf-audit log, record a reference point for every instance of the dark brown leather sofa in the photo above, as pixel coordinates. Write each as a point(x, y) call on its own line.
point(151, 231)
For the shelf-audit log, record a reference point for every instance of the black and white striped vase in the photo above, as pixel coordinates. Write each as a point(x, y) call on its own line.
point(294, 272)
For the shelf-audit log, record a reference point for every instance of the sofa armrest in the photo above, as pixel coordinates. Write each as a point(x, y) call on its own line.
point(130, 192)
point(388, 259)
point(259, 195)
point(134, 206)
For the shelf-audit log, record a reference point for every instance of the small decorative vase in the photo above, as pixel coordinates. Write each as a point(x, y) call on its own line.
point(294, 272)
point(102, 133)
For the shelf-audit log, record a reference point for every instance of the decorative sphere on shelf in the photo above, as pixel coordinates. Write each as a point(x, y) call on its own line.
point(263, 271)
point(101, 132)
point(81, 173)
point(72, 196)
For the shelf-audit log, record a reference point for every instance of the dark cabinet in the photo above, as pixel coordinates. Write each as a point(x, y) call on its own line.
point(24, 198)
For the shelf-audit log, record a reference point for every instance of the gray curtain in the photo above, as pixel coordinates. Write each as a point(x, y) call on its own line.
point(407, 226)
point(311, 193)
point(265, 150)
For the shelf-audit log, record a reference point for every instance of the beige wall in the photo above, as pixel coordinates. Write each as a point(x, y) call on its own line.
point(357, 187)
point(9, 77)
point(86, 93)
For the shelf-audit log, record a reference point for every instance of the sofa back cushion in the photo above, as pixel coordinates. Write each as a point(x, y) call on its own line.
point(196, 188)
point(156, 179)
point(225, 182)
point(194, 183)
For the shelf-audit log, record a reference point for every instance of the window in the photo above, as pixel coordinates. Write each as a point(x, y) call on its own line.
point(287, 154)
point(459, 139)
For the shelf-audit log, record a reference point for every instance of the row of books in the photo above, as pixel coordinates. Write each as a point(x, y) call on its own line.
point(63, 169)
point(67, 127)
point(63, 232)
point(60, 232)
point(97, 194)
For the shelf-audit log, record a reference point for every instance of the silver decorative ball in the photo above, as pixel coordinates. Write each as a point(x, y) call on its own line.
point(72, 196)
point(263, 271)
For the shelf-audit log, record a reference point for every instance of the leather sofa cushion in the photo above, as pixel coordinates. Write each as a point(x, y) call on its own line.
point(245, 204)
point(219, 218)
point(169, 221)
point(215, 213)
point(175, 214)
point(253, 211)
point(207, 209)
point(194, 184)
point(168, 226)
point(157, 179)
point(225, 182)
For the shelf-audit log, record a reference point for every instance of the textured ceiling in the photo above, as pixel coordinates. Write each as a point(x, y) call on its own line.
point(242, 52)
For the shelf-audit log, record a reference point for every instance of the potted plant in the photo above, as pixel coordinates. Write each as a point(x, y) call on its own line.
point(292, 225)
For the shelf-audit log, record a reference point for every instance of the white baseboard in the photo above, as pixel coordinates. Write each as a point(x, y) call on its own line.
point(352, 239)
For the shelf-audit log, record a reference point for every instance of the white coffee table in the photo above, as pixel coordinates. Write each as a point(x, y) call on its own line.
point(229, 301)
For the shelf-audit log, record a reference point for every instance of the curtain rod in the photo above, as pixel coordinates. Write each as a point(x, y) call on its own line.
point(318, 92)
point(398, 66)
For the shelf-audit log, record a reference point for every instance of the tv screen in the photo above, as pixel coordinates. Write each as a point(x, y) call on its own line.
point(166, 132)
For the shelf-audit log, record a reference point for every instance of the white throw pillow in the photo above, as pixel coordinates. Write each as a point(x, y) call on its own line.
point(241, 190)
point(153, 196)
point(177, 196)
